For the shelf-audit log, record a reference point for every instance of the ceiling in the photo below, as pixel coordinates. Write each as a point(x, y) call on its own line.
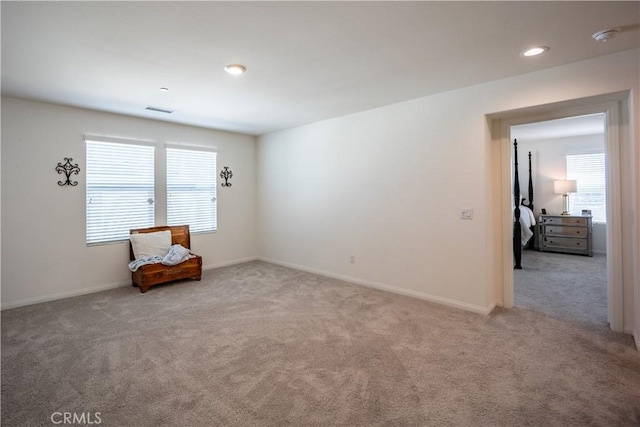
point(306, 61)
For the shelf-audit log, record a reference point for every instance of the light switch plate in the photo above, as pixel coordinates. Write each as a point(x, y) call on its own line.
point(466, 213)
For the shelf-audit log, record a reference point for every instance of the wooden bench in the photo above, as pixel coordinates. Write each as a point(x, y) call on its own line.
point(153, 274)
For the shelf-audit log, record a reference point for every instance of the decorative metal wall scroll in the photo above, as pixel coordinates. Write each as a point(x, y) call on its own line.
point(226, 174)
point(68, 169)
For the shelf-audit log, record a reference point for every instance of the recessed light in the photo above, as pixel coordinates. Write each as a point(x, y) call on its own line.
point(537, 50)
point(235, 69)
point(164, 89)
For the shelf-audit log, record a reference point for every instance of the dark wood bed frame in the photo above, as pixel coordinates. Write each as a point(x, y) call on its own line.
point(517, 231)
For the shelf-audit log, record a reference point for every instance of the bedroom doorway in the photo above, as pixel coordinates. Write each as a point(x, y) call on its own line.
point(560, 282)
point(615, 107)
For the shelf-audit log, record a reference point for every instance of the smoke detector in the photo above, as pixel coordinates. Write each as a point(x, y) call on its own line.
point(604, 35)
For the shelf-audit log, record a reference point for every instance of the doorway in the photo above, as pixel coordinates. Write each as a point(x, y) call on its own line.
point(566, 279)
point(615, 108)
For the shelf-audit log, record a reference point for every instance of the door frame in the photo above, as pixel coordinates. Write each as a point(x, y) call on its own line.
point(612, 106)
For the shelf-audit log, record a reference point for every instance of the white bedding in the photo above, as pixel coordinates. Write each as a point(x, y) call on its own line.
point(174, 256)
point(527, 220)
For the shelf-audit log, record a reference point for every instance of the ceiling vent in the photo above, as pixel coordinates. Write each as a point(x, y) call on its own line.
point(159, 110)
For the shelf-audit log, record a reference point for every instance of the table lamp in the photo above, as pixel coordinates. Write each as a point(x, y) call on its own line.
point(565, 187)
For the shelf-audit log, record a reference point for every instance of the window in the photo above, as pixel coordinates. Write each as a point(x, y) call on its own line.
point(191, 189)
point(121, 180)
point(589, 172)
point(120, 186)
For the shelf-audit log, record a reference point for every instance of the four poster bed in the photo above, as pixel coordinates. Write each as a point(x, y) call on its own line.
point(524, 220)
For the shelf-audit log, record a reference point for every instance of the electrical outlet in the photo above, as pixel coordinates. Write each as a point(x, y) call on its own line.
point(352, 259)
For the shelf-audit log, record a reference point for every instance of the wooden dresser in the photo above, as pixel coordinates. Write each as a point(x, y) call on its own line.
point(565, 233)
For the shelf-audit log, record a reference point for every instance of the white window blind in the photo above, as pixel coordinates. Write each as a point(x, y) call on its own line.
point(589, 172)
point(191, 189)
point(120, 190)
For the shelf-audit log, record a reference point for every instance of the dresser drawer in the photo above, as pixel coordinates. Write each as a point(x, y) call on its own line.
point(565, 243)
point(561, 230)
point(566, 234)
point(557, 220)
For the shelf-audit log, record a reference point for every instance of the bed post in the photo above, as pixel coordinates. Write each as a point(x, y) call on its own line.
point(530, 185)
point(517, 231)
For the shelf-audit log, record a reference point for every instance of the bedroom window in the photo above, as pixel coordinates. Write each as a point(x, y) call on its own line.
point(120, 189)
point(191, 189)
point(589, 171)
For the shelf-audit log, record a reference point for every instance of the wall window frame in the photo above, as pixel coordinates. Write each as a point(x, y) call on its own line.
point(589, 170)
point(120, 188)
point(191, 187)
point(157, 195)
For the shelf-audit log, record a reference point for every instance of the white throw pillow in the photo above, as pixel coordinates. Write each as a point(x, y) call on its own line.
point(147, 244)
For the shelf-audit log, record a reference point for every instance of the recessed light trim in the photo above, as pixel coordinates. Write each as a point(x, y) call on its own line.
point(235, 69)
point(534, 51)
point(164, 89)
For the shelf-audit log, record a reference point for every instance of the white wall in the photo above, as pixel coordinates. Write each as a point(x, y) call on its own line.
point(43, 224)
point(548, 158)
point(387, 185)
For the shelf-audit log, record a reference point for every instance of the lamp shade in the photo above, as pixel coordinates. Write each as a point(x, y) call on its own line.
point(566, 186)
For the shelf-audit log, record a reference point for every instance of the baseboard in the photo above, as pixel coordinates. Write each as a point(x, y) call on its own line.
point(100, 288)
point(493, 306)
point(227, 263)
point(62, 295)
point(388, 288)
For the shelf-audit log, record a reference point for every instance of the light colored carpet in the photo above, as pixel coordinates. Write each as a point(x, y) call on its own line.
point(567, 287)
point(258, 344)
